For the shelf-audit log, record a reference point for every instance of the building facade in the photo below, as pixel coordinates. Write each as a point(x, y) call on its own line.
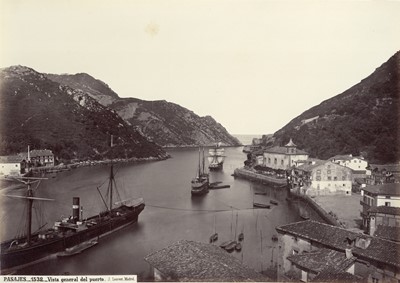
point(382, 174)
point(375, 196)
point(12, 165)
point(310, 250)
point(283, 157)
point(321, 177)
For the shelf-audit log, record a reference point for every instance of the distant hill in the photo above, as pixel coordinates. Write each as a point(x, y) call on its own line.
point(165, 123)
point(39, 112)
point(365, 119)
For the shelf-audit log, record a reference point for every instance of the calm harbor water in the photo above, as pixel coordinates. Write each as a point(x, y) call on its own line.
point(171, 214)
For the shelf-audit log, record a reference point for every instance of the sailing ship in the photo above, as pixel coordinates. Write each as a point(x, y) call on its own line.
point(69, 235)
point(200, 184)
point(216, 157)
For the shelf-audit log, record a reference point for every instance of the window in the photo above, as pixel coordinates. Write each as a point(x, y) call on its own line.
point(329, 171)
point(335, 178)
point(282, 162)
point(269, 160)
point(329, 178)
point(275, 161)
point(387, 203)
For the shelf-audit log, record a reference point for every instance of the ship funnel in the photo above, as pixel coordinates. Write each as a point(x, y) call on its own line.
point(75, 209)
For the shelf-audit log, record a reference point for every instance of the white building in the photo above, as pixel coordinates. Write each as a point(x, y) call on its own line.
point(283, 157)
point(12, 165)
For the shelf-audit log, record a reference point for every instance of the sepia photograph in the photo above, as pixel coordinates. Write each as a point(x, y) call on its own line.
point(199, 141)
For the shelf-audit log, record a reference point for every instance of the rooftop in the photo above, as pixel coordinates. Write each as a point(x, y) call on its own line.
point(388, 232)
point(379, 250)
point(11, 159)
point(390, 189)
point(332, 275)
point(319, 260)
point(283, 150)
point(291, 143)
point(195, 261)
point(346, 157)
point(392, 210)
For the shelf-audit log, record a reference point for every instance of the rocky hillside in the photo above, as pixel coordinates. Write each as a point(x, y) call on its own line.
point(365, 119)
point(39, 112)
point(165, 123)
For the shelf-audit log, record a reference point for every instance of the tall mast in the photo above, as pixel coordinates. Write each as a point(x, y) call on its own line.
point(199, 173)
point(110, 186)
point(203, 160)
point(30, 203)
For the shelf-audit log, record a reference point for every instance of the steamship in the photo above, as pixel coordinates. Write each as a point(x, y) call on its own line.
point(68, 233)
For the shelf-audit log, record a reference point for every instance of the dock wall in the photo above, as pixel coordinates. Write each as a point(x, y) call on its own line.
point(253, 176)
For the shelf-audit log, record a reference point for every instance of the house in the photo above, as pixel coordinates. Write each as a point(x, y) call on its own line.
point(322, 177)
point(39, 157)
point(12, 165)
point(283, 157)
point(356, 163)
point(386, 173)
point(379, 206)
point(314, 251)
point(194, 261)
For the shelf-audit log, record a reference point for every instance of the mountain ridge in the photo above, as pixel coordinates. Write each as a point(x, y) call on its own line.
point(166, 123)
point(364, 119)
point(39, 112)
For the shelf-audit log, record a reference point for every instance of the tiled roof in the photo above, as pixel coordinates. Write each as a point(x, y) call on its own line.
point(194, 261)
point(332, 275)
point(390, 189)
point(388, 232)
point(310, 166)
point(379, 250)
point(319, 260)
point(345, 157)
point(40, 152)
point(290, 143)
point(283, 150)
point(392, 210)
point(11, 159)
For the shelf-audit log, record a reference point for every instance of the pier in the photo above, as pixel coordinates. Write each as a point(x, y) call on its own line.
point(262, 178)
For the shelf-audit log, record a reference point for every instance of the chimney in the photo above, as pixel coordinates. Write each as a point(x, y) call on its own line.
point(75, 209)
point(349, 253)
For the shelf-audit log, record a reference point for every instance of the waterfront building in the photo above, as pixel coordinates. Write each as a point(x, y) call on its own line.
point(194, 261)
point(356, 163)
point(39, 157)
point(384, 222)
point(322, 177)
point(314, 251)
point(386, 173)
point(374, 200)
point(12, 165)
point(283, 157)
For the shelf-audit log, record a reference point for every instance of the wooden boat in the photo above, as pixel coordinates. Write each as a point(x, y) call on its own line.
point(78, 248)
point(273, 202)
point(225, 244)
point(261, 205)
point(238, 247)
point(200, 184)
point(231, 246)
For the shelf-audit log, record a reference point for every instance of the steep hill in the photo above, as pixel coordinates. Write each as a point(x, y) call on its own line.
point(365, 119)
point(39, 112)
point(165, 123)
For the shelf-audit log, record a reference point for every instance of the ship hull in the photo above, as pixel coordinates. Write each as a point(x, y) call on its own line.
point(216, 166)
point(15, 258)
point(199, 189)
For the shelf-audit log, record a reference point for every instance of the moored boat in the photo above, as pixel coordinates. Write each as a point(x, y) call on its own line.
point(261, 205)
point(216, 157)
point(69, 235)
point(200, 184)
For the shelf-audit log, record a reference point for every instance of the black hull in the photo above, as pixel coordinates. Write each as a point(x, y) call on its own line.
point(23, 256)
point(216, 167)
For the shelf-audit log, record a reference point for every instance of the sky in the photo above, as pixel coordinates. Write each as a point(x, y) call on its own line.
point(252, 65)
